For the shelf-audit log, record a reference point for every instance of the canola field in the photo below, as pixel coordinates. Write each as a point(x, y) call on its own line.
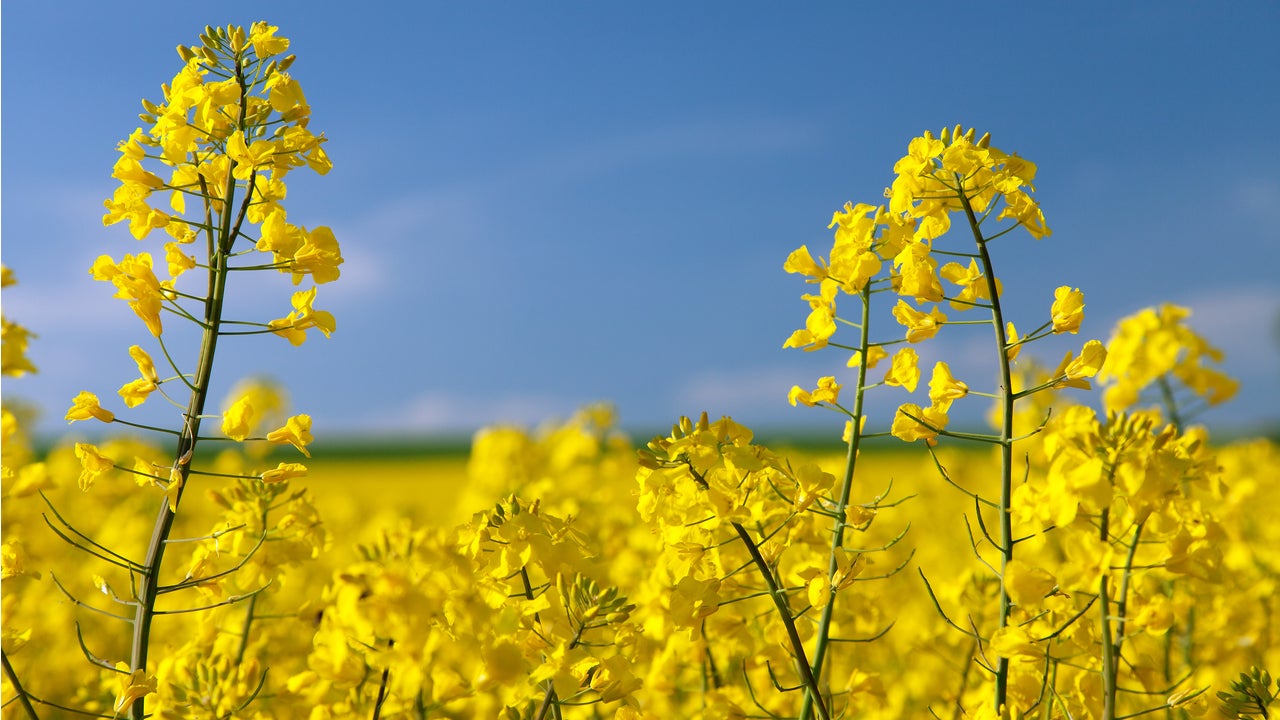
point(1091, 553)
point(367, 551)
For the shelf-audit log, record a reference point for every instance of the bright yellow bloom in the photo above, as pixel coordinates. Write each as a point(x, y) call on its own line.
point(1028, 585)
point(249, 157)
point(1155, 343)
point(86, 406)
point(875, 354)
point(915, 274)
point(905, 372)
point(1073, 371)
point(693, 599)
point(972, 283)
point(1012, 346)
point(265, 43)
point(179, 262)
point(296, 432)
point(293, 326)
point(13, 356)
point(133, 686)
point(284, 471)
point(285, 93)
point(237, 421)
point(135, 392)
point(821, 324)
point(136, 282)
point(1067, 310)
point(812, 483)
point(129, 203)
point(853, 267)
point(920, 326)
point(279, 237)
point(944, 388)
point(909, 423)
point(92, 464)
point(800, 261)
point(828, 390)
point(318, 257)
point(1015, 642)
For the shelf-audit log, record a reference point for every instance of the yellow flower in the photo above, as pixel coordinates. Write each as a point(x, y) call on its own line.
point(1015, 643)
point(92, 463)
point(135, 392)
point(265, 43)
point(920, 326)
point(86, 406)
point(972, 283)
point(915, 275)
point(1012, 346)
point(318, 257)
point(693, 599)
point(821, 324)
point(875, 354)
point(284, 471)
point(828, 390)
point(179, 262)
point(296, 432)
point(812, 483)
point(237, 421)
point(904, 372)
point(1067, 310)
point(1027, 585)
point(133, 686)
point(136, 282)
point(944, 388)
point(800, 261)
point(293, 326)
point(908, 423)
point(1073, 371)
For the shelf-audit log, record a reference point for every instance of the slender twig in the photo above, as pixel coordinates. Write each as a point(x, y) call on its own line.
point(22, 696)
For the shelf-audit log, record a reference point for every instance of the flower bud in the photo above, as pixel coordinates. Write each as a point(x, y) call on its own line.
point(970, 134)
point(984, 141)
point(946, 136)
point(147, 118)
point(237, 39)
point(286, 62)
point(185, 53)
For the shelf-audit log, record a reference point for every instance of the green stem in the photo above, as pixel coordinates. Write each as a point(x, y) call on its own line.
point(1006, 400)
point(22, 696)
point(846, 489)
point(149, 582)
point(779, 597)
point(1109, 645)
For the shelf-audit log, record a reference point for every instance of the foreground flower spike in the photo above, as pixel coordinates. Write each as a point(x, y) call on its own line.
point(209, 163)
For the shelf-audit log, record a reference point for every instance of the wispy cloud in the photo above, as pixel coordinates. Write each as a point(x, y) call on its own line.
point(448, 412)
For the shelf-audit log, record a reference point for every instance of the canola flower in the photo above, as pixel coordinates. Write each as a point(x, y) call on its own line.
point(210, 166)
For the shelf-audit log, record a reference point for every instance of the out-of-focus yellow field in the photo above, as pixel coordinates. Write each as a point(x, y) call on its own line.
point(373, 548)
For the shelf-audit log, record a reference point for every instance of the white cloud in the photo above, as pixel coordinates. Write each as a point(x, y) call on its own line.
point(1242, 322)
point(446, 412)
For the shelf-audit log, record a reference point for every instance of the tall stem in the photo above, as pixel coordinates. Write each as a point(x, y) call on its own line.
point(846, 489)
point(22, 697)
point(1005, 398)
point(219, 252)
point(1109, 646)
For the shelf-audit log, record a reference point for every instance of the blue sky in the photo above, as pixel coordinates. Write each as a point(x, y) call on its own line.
point(545, 205)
